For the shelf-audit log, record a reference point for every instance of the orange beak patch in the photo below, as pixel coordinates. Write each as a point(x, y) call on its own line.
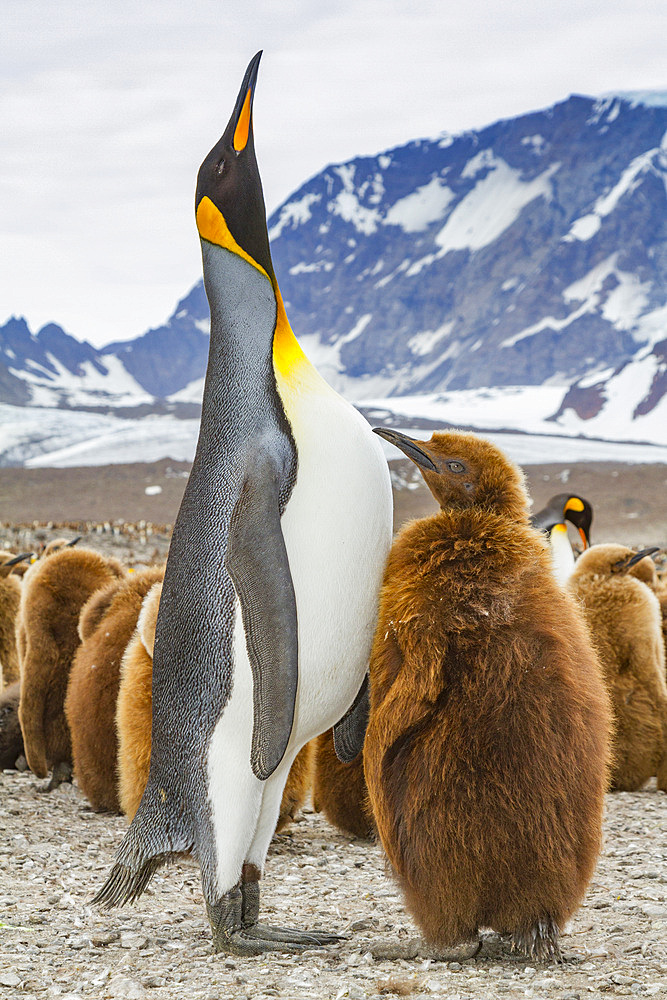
point(242, 129)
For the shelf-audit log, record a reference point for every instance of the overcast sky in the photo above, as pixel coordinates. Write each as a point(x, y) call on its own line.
point(107, 109)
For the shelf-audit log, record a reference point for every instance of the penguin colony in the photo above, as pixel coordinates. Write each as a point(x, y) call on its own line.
point(109, 621)
point(265, 619)
point(106, 625)
point(613, 585)
point(53, 594)
point(487, 750)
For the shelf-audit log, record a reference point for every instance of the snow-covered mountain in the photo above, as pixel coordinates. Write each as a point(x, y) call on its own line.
point(512, 277)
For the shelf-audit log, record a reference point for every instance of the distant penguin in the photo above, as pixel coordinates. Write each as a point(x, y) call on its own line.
point(486, 755)
point(11, 738)
point(624, 619)
point(53, 594)
point(133, 723)
point(10, 599)
point(551, 521)
point(106, 625)
point(339, 790)
point(271, 587)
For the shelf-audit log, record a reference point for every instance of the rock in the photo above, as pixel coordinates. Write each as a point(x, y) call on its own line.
point(127, 989)
point(132, 940)
point(101, 939)
point(9, 979)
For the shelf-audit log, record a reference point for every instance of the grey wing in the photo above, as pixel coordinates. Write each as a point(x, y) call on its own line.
point(350, 732)
point(258, 565)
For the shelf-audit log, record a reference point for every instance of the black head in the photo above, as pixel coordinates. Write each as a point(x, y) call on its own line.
point(229, 198)
point(566, 507)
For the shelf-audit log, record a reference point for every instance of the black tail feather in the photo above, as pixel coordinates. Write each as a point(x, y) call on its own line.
point(125, 885)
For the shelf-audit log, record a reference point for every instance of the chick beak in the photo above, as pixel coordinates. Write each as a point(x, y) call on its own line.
point(413, 449)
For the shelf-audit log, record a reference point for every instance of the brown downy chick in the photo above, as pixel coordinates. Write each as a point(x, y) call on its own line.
point(487, 750)
point(11, 738)
point(646, 571)
point(613, 586)
point(10, 598)
point(54, 592)
point(339, 790)
point(106, 625)
point(134, 718)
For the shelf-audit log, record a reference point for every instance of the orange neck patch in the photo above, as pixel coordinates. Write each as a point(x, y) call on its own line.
point(212, 226)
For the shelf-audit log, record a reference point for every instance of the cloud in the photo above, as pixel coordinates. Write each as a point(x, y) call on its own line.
point(109, 109)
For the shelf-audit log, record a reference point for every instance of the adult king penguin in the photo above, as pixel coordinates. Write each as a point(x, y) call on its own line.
point(271, 587)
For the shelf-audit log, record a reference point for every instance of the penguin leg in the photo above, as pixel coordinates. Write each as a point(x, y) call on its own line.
point(254, 865)
point(62, 772)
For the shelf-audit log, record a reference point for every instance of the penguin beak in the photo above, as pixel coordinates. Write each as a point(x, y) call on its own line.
point(239, 127)
point(74, 541)
point(623, 564)
point(19, 559)
point(577, 505)
point(413, 449)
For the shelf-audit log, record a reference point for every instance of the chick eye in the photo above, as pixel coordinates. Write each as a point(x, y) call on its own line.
point(456, 466)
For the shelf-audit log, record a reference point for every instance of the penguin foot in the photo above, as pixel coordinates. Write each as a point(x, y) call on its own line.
point(235, 934)
point(61, 772)
point(540, 941)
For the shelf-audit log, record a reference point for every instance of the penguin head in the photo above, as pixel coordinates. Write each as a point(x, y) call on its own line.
point(463, 470)
point(9, 563)
point(617, 560)
point(229, 202)
point(566, 507)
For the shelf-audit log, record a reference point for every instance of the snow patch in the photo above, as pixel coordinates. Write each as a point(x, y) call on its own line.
point(346, 204)
point(587, 226)
point(294, 214)
point(492, 206)
point(484, 160)
point(424, 342)
point(419, 209)
point(318, 265)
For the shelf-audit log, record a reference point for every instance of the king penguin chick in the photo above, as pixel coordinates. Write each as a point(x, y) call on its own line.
point(487, 750)
point(11, 738)
point(133, 723)
point(106, 625)
point(624, 619)
point(551, 520)
point(339, 790)
point(10, 599)
point(53, 594)
point(273, 575)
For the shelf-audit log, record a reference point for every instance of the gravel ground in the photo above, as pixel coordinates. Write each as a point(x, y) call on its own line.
point(55, 853)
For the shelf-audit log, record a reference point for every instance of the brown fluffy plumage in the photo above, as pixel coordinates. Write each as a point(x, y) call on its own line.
point(106, 625)
point(486, 755)
point(624, 618)
point(133, 720)
point(339, 790)
point(54, 592)
point(11, 738)
point(10, 598)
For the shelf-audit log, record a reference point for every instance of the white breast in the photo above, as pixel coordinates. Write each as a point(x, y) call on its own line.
point(337, 529)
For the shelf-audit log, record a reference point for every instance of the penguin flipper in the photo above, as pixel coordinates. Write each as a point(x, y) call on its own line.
point(349, 732)
point(258, 564)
